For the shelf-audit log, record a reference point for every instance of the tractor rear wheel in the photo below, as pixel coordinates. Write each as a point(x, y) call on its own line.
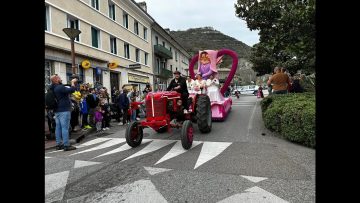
point(187, 133)
point(203, 113)
point(134, 134)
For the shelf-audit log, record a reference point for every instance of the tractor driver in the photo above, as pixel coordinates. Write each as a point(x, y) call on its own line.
point(178, 84)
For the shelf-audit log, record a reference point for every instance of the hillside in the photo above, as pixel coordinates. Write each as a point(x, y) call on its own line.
point(195, 39)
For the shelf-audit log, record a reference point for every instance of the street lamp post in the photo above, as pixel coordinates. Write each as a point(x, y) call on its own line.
point(72, 33)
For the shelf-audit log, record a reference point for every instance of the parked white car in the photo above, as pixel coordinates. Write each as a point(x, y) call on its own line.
point(249, 89)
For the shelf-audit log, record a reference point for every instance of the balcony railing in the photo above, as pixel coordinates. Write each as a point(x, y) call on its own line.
point(162, 51)
point(164, 73)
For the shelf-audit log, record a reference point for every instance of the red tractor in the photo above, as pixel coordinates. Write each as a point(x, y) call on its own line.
point(164, 107)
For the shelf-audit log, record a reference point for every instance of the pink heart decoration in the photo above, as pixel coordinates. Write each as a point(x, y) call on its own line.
point(220, 53)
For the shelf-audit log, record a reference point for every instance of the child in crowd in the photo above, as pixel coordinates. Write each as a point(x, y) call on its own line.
point(84, 111)
point(106, 114)
point(98, 118)
point(134, 106)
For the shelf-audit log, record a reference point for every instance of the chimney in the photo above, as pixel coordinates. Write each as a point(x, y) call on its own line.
point(143, 5)
point(167, 30)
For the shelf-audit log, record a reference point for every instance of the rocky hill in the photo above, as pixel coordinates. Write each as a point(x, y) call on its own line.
point(195, 39)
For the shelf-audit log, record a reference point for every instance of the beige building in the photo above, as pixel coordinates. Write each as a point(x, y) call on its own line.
point(111, 31)
point(168, 57)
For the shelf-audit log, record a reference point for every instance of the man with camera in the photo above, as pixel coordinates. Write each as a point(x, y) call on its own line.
point(62, 111)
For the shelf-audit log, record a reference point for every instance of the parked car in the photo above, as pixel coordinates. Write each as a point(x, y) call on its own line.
point(249, 89)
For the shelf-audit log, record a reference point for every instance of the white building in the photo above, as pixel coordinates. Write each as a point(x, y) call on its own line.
point(111, 31)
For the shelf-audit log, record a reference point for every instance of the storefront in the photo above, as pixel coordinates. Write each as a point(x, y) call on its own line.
point(138, 80)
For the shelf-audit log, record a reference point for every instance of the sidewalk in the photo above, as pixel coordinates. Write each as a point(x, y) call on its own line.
point(76, 137)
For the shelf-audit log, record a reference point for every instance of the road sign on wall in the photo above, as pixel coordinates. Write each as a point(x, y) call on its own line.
point(134, 66)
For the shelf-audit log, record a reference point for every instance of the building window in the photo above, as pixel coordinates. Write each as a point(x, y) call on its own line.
point(163, 44)
point(111, 10)
point(176, 58)
point(145, 33)
point(80, 72)
point(136, 28)
point(97, 76)
point(113, 47)
point(95, 36)
point(146, 58)
point(156, 40)
point(47, 19)
point(170, 48)
point(126, 20)
point(176, 68)
point(171, 67)
point(127, 51)
point(73, 23)
point(137, 55)
point(95, 4)
point(158, 65)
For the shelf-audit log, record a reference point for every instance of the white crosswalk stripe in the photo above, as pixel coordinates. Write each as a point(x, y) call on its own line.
point(107, 144)
point(209, 150)
point(177, 150)
point(153, 146)
point(122, 148)
point(254, 194)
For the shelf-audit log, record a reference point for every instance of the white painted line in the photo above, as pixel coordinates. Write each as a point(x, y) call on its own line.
point(54, 151)
point(176, 150)
point(56, 181)
point(122, 148)
point(153, 146)
point(79, 163)
point(254, 195)
point(254, 179)
point(251, 121)
point(210, 150)
point(153, 171)
point(95, 141)
point(138, 191)
point(113, 141)
point(47, 157)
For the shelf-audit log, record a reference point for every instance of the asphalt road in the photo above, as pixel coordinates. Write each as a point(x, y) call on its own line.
point(233, 163)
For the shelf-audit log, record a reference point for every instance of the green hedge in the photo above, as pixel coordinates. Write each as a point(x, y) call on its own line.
point(291, 115)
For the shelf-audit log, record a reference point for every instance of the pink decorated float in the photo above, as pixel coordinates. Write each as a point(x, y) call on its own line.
point(207, 61)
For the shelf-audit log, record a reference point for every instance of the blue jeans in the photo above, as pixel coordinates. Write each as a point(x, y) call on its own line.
point(62, 120)
point(133, 115)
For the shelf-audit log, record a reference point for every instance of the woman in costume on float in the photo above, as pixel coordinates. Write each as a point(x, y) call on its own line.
point(199, 84)
point(213, 89)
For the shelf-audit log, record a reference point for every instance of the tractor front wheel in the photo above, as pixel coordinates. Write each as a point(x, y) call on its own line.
point(187, 134)
point(134, 134)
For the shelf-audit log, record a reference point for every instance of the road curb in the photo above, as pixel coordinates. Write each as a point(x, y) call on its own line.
point(76, 138)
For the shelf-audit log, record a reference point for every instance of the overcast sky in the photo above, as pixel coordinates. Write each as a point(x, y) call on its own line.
point(185, 14)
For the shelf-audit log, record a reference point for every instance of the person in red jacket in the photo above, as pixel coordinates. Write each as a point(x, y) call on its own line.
point(134, 105)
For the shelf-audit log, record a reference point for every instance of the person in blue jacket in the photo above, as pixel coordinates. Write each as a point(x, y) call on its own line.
point(84, 112)
point(124, 105)
point(63, 111)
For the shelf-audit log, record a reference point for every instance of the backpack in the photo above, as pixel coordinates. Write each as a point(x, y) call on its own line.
point(50, 100)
